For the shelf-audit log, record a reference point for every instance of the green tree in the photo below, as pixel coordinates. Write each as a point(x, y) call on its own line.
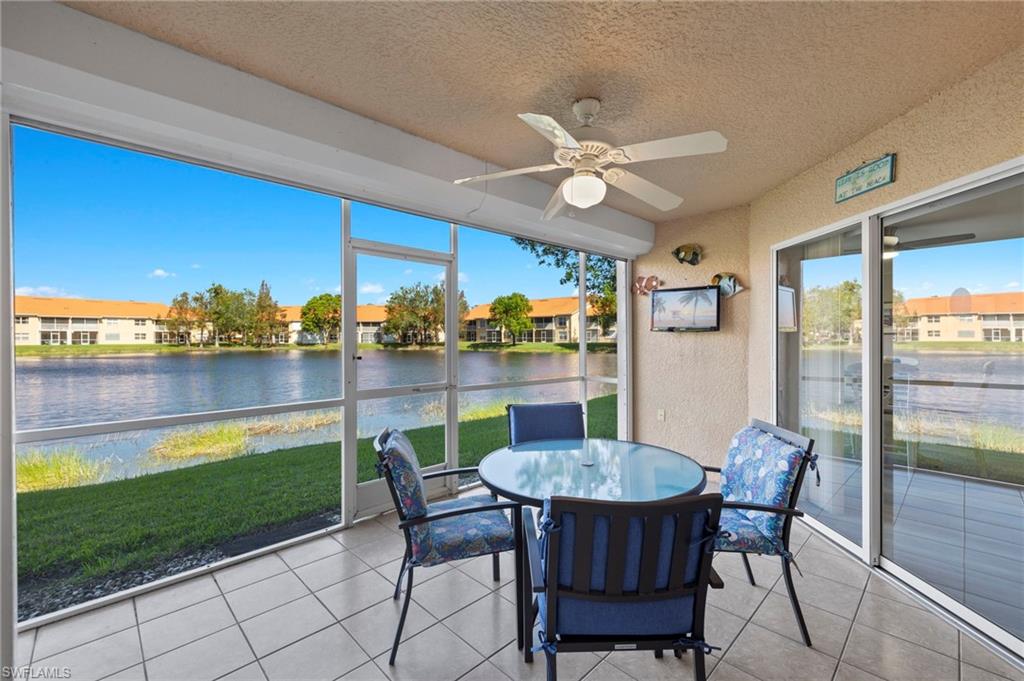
point(411, 313)
point(201, 314)
point(512, 313)
point(267, 317)
point(601, 276)
point(181, 317)
point(321, 316)
point(829, 313)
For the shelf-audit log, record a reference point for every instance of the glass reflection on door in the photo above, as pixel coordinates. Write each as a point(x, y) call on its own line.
point(819, 369)
point(953, 398)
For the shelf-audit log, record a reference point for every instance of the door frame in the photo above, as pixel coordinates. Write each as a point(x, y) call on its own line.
point(360, 500)
point(869, 550)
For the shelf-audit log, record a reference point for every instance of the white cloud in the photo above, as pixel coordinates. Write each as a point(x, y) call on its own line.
point(195, 266)
point(44, 291)
point(160, 273)
point(371, 287)
point(1012, 284)
point(463, 277)
point(337, 289)
point(407, 272)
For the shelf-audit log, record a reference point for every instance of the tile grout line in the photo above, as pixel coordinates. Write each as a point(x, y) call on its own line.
point(138, 632)
point(336, 620)
point(849, 632)
point(242, 631)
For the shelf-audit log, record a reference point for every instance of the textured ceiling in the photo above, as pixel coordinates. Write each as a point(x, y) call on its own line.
point(787, 83)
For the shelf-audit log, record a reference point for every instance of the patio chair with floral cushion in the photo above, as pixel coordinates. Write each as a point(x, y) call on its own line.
point(761, 482)
point(442, 531)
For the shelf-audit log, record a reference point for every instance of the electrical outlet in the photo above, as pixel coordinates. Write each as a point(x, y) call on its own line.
point(661, 414)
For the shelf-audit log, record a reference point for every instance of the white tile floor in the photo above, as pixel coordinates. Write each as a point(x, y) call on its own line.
point(323, 610)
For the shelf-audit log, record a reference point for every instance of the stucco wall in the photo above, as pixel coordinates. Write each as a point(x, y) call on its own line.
point(699, 379)
point(710, 384)
point(973, 125)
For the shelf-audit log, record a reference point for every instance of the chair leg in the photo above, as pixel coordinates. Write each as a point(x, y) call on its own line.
point(678, 652)
point(401, 573)
point(552, 668)
point(496, 567)
point(659, 653)
point(750, 573)
point(401, 620)
point(787, 573)
point(699, 673)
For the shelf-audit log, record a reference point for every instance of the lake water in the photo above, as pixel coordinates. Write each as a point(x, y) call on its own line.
point(987, 387)
point(78, 390)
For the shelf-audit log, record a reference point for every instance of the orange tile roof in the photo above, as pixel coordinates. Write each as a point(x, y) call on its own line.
point(978, 303)
point(364, 313)
point(542, 307)
point(83, 307)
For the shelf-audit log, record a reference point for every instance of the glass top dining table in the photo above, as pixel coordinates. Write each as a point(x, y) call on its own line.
point(598, 469)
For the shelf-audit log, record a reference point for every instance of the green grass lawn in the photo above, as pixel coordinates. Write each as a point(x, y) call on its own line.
point(85, 533)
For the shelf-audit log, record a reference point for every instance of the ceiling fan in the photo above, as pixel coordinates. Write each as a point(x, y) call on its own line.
point(589, 159)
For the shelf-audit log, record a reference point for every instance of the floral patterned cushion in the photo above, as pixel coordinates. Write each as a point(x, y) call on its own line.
point(405, 473)
point(462, 536)
point(761, 469)
point(739, 533)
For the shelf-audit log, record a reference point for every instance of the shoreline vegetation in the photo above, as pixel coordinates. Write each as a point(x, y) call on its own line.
point(42, 351)
point(153, 520)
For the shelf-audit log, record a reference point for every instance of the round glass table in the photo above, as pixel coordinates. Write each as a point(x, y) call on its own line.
point(606, 470)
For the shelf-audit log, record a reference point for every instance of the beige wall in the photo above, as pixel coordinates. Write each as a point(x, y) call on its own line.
point(710, 385)
point(699, 379)
point(973, 125)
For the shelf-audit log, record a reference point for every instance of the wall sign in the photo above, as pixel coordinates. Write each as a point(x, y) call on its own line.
point(871, 175)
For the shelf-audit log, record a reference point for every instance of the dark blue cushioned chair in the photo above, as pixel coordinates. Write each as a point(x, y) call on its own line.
point(761, 482)
point(442, 531)
point(555, 421)
point(647, 593)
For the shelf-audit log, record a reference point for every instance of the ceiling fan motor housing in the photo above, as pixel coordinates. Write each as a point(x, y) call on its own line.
point(586, 110)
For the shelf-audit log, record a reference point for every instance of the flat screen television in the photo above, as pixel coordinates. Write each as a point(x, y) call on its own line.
point(685, 309)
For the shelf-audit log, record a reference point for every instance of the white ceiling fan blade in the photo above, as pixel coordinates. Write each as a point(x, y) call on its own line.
point(549, 127)
point(510, 173)
point(557, 202)
point(646, 191)
point(710, 142)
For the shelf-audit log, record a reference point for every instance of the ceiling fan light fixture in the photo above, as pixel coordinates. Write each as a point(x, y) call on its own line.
point(584, 190)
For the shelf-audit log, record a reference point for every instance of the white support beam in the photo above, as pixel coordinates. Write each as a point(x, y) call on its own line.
point(8, 499)
point(66, 68)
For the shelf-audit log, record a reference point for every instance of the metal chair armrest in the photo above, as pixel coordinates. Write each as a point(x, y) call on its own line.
point(532, 548)
point(452, 512)
point(712, 469)
point(449, 471)
point(764, 508)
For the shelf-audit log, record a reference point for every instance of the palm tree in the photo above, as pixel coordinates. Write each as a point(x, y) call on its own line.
point(699, 297)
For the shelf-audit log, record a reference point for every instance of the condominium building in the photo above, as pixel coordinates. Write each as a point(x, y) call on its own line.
point(555, 320)
point(79, 321)
point(369, 322)
point(994, 317)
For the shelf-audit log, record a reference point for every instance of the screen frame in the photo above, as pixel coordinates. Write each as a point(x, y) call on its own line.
point(689, 329)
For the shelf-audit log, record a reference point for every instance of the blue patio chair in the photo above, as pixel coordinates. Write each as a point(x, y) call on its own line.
point(761, 482)
point(442, 531)
point(555, 421)
point(622, 576)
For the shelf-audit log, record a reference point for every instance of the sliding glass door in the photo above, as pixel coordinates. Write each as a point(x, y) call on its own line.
point(953, 398)
point(819, 369)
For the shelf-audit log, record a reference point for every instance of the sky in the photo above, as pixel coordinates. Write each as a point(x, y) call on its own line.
point(987, 267)
point(95, 221)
